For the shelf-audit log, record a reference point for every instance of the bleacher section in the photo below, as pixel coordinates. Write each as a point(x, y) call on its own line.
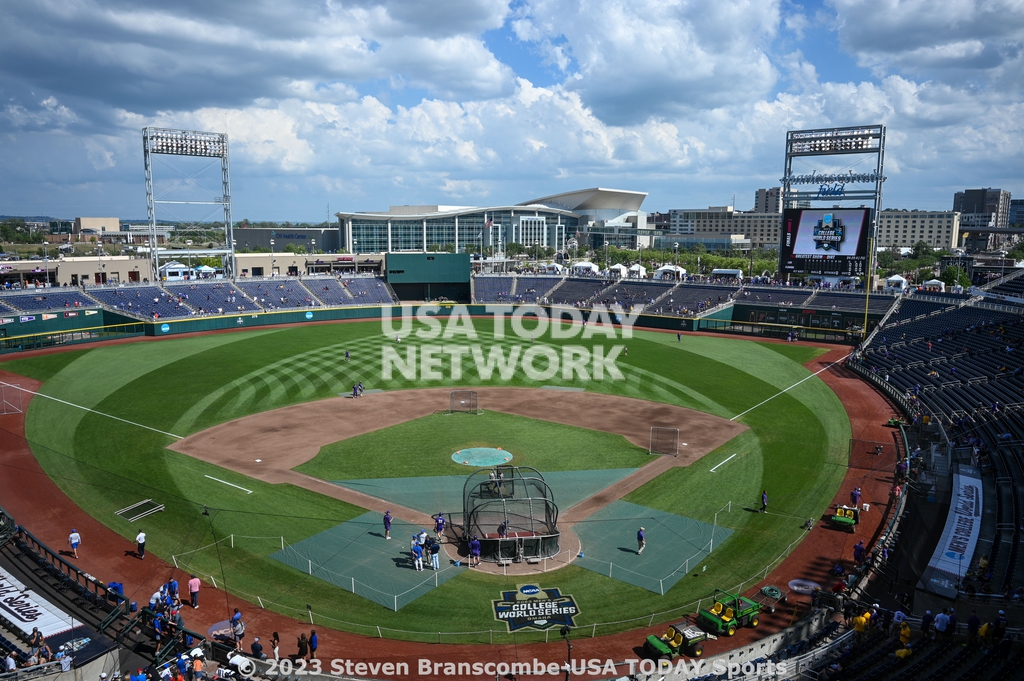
point(141, 301)
point(369, 291)
point(530, 289)
point(217, 296)
point(577, 292)
point(45, 299)
point(775, 296)
point(964, 366)
point(329, 291)
point(629, 293)
point(690, 299)
point(911, 308)
point(493, 289)
point(6, 309)
point(1014, 287)
point(850, 302)
point(278, 293)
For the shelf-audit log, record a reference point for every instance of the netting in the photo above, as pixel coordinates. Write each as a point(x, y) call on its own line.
point(512, 511)
point(463, 401)
point(675, 545)
point(664, 441)
point(355, 556)
point(10, 398)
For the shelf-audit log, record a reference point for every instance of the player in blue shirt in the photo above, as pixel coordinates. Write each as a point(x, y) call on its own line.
point(641, 541)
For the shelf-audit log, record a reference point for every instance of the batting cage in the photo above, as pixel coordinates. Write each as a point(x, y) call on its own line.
point(463, 401)
point(512, 511)
point(664, 441)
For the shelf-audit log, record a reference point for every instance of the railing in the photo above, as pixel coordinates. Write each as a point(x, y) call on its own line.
point(32, 672)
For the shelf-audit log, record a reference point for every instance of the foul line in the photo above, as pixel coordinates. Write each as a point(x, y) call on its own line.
point(100, 413)
point(231, 484)
point(724, 462)
point(807, 378)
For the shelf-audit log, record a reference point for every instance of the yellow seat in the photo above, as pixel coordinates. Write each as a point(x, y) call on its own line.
point(716, 609)
point(669, 634)
point(729, 614)
point(678, 640)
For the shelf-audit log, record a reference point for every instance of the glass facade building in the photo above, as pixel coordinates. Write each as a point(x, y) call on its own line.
point(549, 222)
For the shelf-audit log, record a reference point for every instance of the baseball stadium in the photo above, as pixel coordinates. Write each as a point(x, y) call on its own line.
point(543, 469)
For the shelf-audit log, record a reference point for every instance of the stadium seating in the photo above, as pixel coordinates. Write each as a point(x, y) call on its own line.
point(851, 302)
point(368, 291)
point(1014, 287)
point(329, 291)
point(45, 299)
point(278, 293)
point(629, 293)
point(493, 289)
point(775, 295)
point(212, 296)
point(530, 289)
point(142, 301)
point(690, 299)
point(577, 292)
point(6, 309)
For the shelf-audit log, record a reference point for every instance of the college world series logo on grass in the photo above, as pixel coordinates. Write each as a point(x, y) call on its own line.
point(447, 326)
point(530, 606)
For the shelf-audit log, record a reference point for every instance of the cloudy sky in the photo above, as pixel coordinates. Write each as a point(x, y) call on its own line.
point(362, 104)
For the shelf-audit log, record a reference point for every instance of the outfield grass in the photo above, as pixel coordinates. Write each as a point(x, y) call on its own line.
point(424, 447)
point(795, 448)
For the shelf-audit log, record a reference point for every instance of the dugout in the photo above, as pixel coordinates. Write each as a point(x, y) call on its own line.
point(429, 276)
point(519, 498)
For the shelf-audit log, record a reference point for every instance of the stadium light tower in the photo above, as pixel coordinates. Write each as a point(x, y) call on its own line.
point(864, 140)
point(196, 144)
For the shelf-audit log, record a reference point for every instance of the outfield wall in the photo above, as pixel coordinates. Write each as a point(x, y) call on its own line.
point(34, 332)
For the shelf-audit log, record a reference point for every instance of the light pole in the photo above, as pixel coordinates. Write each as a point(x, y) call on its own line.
point(675, 248)
point(536, 251)
point(46, 267)
point(273, 260)
point(313, 242)
point(188, 247)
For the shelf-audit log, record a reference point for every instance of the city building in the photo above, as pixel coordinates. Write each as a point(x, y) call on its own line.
point(761, 230)
point(96, 225)
point(904, 228)
point(980, 201)
point(1016, 214)
point(768, 200)
point(595, 216)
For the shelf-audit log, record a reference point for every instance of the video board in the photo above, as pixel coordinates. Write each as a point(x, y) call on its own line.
point(831, 242)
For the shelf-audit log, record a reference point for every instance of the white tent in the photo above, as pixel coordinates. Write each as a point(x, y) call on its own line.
point(584, 268)
point(638, 272)
point(618, 270)
point(896, 283)
point(935, 285)
point(669, 272)
point(552, 268)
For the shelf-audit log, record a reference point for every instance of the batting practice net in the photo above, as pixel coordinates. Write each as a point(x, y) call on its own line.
point(664, 441)
point(512, 511)
point(463, 401)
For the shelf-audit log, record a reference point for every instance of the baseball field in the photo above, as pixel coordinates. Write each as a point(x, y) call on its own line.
point(238, 435)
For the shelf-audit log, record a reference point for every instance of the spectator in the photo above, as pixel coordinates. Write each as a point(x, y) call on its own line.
point(257, 649)
point(973, 624)
point(926, 624)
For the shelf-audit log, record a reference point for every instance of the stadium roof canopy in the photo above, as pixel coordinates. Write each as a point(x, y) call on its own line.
point(596, 198)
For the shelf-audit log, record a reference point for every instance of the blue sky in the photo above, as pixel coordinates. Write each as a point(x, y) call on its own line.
point(366, 104)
